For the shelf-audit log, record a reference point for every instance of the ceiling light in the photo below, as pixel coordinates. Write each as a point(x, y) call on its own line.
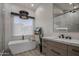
point(75, 7)
point(70, 3)
point(32, 5)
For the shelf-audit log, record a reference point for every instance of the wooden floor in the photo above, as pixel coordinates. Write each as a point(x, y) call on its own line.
point(34, 52)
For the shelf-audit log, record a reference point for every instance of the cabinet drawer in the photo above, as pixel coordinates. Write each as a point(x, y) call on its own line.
point(46, 51)
point(73, 51)
point(59, 52)
point(53, 51)
point(55, 44)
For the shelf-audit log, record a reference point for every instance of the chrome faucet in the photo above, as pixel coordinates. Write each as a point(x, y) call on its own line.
point(61, 36)
point(66, 37)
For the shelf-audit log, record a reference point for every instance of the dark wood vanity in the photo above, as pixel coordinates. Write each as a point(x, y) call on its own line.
point(52, 48)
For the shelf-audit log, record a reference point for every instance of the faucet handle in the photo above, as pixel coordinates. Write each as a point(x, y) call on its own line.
point(70, 38)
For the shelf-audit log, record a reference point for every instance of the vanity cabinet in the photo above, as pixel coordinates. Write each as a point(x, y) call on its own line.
point(73, 51)
point(52, 48)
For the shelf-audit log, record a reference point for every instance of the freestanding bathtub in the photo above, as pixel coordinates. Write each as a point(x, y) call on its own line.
point(21, 46)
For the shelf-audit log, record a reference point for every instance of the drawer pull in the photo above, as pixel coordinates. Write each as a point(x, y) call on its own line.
point(75, 50)
point(55, 52)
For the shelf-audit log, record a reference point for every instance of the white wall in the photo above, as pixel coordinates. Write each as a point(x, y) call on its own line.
point(8, 21)
point(1, 28)
point(2, 37)
point(44, 18)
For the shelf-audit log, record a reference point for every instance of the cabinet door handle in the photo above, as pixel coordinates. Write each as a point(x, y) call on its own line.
point(55, 52)
point(75, 50)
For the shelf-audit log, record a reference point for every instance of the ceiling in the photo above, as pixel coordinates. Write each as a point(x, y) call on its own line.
point(58, 8)
point(32, 6)
point(61, 8)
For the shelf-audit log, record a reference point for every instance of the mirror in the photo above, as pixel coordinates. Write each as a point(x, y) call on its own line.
point(68, 22)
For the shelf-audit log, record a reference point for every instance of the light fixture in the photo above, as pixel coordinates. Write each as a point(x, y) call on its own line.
point(32, 5)
point(70, 3)
point(75, 7)
point(23, 14)
point(63, 28)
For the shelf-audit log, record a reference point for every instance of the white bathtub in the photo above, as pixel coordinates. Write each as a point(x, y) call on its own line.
point(21, 46)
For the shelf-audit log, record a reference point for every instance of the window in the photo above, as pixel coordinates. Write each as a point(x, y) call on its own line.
point(22, 26)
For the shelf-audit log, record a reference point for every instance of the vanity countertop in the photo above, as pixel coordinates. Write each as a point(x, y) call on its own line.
point(73, 42)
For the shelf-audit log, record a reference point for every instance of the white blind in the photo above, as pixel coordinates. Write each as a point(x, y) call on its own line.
point(22, 27)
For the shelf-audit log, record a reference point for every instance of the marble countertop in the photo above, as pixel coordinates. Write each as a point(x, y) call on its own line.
point(73, 42)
